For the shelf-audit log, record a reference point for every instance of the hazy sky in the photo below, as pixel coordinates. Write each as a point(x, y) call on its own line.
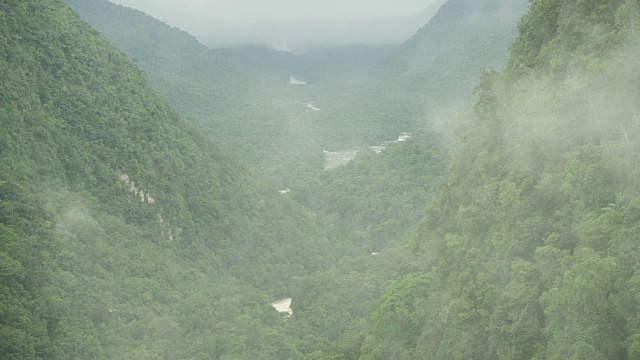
point(180, 12)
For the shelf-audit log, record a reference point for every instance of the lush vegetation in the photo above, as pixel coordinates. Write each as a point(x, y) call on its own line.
point(126, 234)
point(531, 251)
point(430, 76)
point(253, 113)
point(380, 195)
point(242, 97)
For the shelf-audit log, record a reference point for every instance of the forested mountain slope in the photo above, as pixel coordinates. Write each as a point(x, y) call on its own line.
point(381, 195)
point(364, 94)
point(430, 75)
point(531, 251)
point(370, 93)
point(185, 71)
point(442, 60)
point(253, 113)
point(125, 234)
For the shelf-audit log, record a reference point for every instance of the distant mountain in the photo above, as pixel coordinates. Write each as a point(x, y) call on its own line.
point(431, 74)
point(174, 60)
point(304, 36)
point(365, 93)
point(429, 12)
point(371, 93)
point(440, 64)
point(252, 112)
point(443, 60)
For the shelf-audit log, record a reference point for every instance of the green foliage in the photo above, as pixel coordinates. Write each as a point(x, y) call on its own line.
point(255, 116)
point(382, 196)
point(241, 97)
point(430, 75)
point(128, 234)
point(125, 233)
point(531, 249)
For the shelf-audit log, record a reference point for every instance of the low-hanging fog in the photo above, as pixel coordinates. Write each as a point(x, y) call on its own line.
point(293, 25)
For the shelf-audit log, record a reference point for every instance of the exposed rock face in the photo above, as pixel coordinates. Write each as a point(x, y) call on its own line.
point(294, 81)
point(283, 306)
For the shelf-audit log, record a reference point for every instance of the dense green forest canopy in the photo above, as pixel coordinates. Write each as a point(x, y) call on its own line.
point(531, 250)
point(129, 231)
point(252, 112)
point(126, 234)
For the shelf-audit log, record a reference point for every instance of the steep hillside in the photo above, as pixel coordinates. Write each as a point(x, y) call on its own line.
point(253, 113)
point(185, 71)
point(443, 60)
point(124, 233)
point(531, 251)
point(308, 34)
point(381, 193)
point(370, 93)
point(431, 75)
